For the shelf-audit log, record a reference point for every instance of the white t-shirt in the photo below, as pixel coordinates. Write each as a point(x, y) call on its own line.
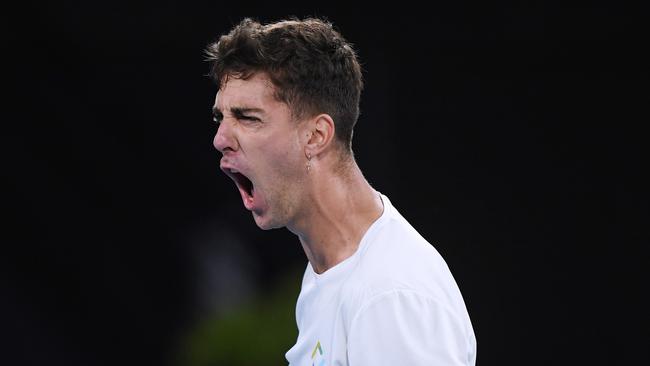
point(393, 302)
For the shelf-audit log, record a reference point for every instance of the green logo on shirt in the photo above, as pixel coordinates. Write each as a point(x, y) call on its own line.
point(317, 357)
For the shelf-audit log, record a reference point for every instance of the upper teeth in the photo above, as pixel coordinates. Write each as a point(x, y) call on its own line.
point(233, 171)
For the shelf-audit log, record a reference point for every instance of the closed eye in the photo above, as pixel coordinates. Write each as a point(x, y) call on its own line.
point(249, 118)
point(246, 114)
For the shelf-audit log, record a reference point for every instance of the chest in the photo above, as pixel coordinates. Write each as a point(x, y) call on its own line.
point(322, 329)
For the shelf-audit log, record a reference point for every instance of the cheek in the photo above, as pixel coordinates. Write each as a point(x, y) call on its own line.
point(281, 165)
point(277, 159)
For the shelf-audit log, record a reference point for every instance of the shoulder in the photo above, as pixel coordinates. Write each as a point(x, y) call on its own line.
point(397, 260)
point(398, 257)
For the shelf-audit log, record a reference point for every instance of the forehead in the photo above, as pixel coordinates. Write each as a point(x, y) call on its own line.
point(255, 92)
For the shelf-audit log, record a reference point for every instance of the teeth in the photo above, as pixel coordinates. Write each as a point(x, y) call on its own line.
point(233, 171)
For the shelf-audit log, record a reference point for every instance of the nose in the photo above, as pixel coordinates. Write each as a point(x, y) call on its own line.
point(224, 140)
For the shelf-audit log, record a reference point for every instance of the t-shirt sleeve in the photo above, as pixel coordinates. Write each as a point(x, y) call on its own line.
point(405, 328)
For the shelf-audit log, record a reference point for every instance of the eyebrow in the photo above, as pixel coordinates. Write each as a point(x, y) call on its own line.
point(238, 111)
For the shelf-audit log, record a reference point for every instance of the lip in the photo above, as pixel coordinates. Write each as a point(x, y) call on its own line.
point(236, 174)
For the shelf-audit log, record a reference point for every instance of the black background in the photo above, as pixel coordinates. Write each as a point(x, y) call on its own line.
point(510, 136)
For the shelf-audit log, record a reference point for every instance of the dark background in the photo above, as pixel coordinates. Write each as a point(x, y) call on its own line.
point(510, 136)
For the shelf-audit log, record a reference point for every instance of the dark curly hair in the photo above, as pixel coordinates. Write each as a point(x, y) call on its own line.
point(313, 68)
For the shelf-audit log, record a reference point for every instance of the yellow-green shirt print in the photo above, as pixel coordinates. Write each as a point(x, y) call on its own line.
point(317, 358)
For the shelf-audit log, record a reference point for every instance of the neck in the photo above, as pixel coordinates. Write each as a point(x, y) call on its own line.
point(341, 207)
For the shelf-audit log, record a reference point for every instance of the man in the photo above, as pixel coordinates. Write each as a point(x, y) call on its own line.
point(374, 291)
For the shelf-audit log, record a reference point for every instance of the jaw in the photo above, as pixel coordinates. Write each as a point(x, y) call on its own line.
point(280, 210)
point(262, 222)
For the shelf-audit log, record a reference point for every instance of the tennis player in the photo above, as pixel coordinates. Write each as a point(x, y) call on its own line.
point(374, 292)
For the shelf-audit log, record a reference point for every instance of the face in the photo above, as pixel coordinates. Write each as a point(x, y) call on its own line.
point(262, 150)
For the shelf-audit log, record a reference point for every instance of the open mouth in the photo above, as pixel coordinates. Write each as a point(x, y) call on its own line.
point(245, 185)
point(244, 182)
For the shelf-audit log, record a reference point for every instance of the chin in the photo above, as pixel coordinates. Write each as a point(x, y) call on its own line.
point(264, 227)
point(264, 223)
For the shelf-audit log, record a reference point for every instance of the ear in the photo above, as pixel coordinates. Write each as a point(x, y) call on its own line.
point(320, 133)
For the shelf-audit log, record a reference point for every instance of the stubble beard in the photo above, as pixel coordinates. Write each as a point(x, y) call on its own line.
point(284, 202)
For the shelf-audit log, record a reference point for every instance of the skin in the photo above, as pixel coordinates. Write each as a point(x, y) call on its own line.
point(329, 205)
